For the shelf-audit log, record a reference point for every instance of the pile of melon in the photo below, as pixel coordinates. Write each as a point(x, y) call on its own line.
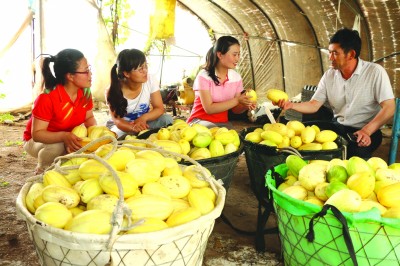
point(294, 134)
point(81, 194)
point(196, 141)
point(353, 185)
point(93, 133)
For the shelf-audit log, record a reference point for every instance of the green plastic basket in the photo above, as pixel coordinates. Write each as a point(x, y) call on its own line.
point(372, 240)
point(260, 158)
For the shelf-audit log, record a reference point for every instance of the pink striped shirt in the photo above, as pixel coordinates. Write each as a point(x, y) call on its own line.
point(220, 93)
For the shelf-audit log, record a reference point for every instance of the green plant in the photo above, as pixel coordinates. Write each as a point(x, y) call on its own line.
point(3, 183)
point(6, 116)
point(160, 45)
point(9, 143)
point(2, 95)
point(116, 14)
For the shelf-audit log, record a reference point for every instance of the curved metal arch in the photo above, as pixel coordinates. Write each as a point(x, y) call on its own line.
point(194, 14)
point(279, 43)
point(364, 22)
point(387, 56)
point(313, 32)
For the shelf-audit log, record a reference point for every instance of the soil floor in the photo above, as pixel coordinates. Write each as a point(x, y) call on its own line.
point(226, 246)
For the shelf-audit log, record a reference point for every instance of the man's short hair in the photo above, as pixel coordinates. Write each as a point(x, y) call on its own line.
point(348, 40)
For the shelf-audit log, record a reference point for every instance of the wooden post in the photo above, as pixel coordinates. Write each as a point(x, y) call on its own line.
point(395, 133)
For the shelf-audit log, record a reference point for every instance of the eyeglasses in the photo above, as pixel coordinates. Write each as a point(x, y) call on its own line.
point(89, 70)
point(142, 68)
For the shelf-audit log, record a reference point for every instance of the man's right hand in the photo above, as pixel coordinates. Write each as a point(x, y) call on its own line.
point(285, 105)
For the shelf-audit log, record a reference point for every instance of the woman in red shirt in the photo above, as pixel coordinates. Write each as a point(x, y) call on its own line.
point(65, 103)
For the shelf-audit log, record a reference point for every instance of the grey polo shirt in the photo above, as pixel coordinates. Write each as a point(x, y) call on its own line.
point(355, 101)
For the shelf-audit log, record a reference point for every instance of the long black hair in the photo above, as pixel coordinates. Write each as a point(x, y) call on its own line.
point(127, 60)
point(66, 61)
point(221, 45)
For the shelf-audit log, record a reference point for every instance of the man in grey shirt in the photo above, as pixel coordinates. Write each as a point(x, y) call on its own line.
point(358, 92)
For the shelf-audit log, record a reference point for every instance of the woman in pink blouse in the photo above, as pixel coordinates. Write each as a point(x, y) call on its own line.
point(218, 87)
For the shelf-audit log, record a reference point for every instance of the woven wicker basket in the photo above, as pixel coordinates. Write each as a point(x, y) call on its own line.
point(181, 245)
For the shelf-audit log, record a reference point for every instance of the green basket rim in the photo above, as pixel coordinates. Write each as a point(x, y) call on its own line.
point(306, 208)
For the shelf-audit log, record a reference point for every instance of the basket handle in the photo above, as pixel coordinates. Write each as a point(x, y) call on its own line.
point(99, 140)
point(344, 152)
point(347, 238)
point(120, 209)
point(291, 150)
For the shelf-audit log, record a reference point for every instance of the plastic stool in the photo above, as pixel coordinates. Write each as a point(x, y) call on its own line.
point(395, 133)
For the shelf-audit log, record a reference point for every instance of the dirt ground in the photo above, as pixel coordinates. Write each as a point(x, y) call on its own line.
point(225, 245)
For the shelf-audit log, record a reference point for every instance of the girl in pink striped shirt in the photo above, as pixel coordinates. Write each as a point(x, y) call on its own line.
point(218, 87)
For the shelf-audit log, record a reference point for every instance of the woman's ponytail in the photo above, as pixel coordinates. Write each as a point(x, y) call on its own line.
point(48, 78)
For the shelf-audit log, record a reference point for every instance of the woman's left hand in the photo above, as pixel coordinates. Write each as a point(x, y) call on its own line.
point(245, 101)
point(139, 125)
point(72, 143)
point(252, 106)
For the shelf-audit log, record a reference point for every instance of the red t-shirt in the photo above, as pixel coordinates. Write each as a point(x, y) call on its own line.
point(57, 108)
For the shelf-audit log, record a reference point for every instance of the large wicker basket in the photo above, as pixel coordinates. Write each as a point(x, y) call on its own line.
point(181, 245)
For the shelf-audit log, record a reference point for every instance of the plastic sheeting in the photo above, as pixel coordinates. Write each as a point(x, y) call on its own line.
point(78, 26)
point(15, 57)
point(49, 31)
point(283, 42)
point(287, 39)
